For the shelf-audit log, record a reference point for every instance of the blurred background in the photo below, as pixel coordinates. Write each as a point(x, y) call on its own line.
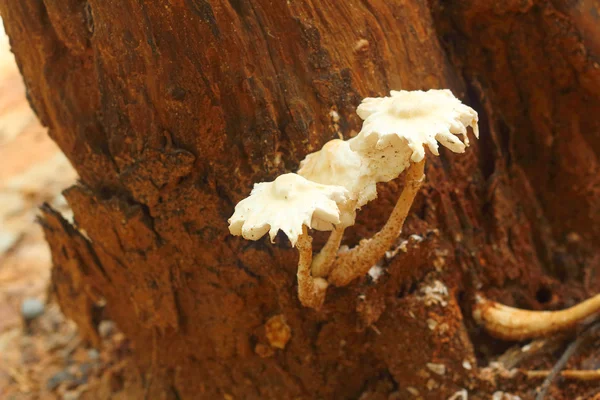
point(41, 355)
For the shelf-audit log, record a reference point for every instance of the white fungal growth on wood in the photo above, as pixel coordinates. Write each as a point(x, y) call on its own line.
point(436, 293)
point(286, 204)
point(337, 164)
point(416, 118)
point(292, 204)
point(336, 181)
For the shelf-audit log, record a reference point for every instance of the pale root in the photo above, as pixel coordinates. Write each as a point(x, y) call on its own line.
point(511, 323)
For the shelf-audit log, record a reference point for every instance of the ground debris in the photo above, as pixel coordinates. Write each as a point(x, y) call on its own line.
point(278, 332)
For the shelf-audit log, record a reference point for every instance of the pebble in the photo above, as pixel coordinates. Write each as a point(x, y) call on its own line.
point(439, 369)
point(93, 355)
point(72, 395)
point(58, 378)
point(106, 329)
point(31, 308)
point(278, 332)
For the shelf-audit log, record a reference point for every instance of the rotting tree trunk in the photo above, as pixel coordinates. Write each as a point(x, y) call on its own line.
point(171, 110)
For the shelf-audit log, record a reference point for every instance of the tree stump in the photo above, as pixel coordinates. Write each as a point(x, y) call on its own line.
point(170, 110)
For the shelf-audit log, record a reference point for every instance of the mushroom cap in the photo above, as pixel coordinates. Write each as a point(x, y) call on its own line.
point(337, 164)
point(286, 204)
point(413, 119)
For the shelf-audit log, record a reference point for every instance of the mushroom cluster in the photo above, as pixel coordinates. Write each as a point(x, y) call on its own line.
point(333, 183)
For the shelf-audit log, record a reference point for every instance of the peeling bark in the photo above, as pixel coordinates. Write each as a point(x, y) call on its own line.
point(170, 111)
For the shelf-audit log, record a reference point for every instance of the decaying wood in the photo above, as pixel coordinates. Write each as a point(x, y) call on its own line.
point(171, 110)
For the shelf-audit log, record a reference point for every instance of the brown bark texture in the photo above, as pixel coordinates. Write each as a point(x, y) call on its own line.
point(170, 110)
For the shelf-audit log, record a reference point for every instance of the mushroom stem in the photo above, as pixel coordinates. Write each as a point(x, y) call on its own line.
point(323, 262)
point(311, 291)
point(510, 323)
point(357, 261)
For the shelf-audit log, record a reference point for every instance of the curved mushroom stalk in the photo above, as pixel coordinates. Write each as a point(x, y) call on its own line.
point(357, 261)
point(291, 203)
point(511, 323)
point(324, 261)
point(311, 290)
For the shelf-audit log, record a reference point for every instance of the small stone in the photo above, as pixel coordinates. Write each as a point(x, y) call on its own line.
point(361, 45)
point(499, 395)
point(375, 272)
point(436, 293)
point(7, 240)
point(71, 395)
point(93, 355)
point(467, 365)
point(432, 384)
point(58, 378)
point(412, 391)
point(403, 246)
point(573, 237)
point(278, 332)
point(460, 395)
point(431, 323)
point(390, 254)
point(423, 374)
point(443, 328)
point(439, 369)
point(395, 396)
point(84, 372)
point(263, 351)
point(335, 117)
point(416, 238)
point(106, 329)
point(439, 263)
point(31, 308)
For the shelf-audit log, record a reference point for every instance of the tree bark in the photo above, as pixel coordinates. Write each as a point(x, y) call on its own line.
point(170, 110)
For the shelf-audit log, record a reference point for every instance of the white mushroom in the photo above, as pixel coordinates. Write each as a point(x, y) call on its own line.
point(337, 164)
point(417, 117)
point(291, 204)
point(395, 132)
point(397, 128)
point(357, 261)
point(335, 181)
